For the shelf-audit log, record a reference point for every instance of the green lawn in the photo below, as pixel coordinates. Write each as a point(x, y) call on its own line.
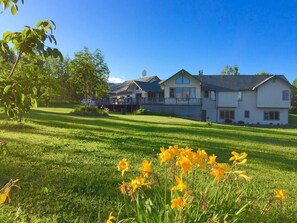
point(67, 164)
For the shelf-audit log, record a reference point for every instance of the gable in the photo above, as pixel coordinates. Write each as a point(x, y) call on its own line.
point(182, 77)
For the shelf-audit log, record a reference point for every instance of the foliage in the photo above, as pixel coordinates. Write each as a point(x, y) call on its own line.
point(67, 163)
point(143, 111)
point(227, 199)
point(293, 108)
point(13, 3)
point(89, 74)
point(60, 72)
point(28, 42)
point(229, 70)
point(15, 99)
point(262, 73)
point(90, 111)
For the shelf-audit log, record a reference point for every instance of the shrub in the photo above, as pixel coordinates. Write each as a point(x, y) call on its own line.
point(142, 111)
point(90, 111)
point(228, 121)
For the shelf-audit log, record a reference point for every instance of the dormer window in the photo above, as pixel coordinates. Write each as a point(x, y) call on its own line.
point(240, 96)
point(182, 80)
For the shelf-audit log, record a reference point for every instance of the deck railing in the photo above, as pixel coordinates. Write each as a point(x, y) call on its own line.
point(139, 101)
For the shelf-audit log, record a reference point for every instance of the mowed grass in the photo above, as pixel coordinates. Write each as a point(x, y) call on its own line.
point(67, 164)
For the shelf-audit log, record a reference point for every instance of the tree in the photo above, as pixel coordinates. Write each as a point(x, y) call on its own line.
point(28, 42)
point(229, 70)
point(294, 98)
point(89, 74)
point(262, 73)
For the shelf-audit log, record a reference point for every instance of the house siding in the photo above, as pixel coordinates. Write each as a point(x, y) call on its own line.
point(171, 84)
point(227, 99)
point(270, 94)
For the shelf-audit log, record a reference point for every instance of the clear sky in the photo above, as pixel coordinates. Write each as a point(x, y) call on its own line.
point(164, 36)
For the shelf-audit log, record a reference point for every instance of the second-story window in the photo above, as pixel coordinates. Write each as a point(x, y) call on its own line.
point(240, 96)
point(206, 94)
point(286, 95)
point(212, 95)
point(172, 93)
point(182, 80)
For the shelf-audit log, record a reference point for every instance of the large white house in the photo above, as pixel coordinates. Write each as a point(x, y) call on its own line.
point(249, 99)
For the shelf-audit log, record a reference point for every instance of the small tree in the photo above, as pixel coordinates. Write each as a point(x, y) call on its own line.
point(29, 41)
point(229, 70)
point(262, 73)
point(89, 74)
point(294, 97)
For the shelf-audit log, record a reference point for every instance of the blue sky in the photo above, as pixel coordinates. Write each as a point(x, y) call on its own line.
point(164, 36)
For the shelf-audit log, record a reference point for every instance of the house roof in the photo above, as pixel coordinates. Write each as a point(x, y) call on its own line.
point(182, 71)
point(235, 82)
point(149, 86)
point(123, 87)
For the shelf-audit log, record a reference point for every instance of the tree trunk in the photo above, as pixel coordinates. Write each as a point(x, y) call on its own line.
point(14, 65)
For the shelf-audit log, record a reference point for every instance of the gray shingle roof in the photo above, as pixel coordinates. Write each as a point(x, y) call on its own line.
point(234, 82)
point(148, 86)
point(123, 87)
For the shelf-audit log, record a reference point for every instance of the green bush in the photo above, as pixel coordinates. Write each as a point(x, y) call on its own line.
point(89, 111)
point(142, 111)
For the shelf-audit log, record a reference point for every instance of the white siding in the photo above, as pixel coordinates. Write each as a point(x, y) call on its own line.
point(249, 103)
point(227, 99)
point(171, 84)
point(211, 108)
point(270, 94)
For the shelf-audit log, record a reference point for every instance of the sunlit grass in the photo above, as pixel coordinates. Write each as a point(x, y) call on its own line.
point(67, 164)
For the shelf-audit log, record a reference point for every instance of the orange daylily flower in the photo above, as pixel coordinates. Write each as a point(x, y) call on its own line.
point(123, 166)
point(219, 171)
point(185, 164)
point(180, 184)
point(174, 150)
point(138, 182)
point(178, 203)
point(146, 168)
point(4, 192)
point(239, 157)
point(110, 218)
point(280, 194)
point(165, 155)
point(212, 159)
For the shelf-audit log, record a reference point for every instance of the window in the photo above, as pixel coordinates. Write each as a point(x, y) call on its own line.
point(212, 95)
point(271, 115)
point(206, 94)
point(240, 96)
point(227, 114)
point(172, 93)
point(247, 114)
point(286, 95)
point(182, 80)
point(192, 92)
point(183, 92)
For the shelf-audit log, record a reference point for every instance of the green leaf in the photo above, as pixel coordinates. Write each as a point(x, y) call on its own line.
point(6, 4)
point(14, 9)
point(53, 24)
point(6, 89)
point(34, 102)
point(7, 36)
point(23, 98)
point(34, 89)
point(39, 23)
point(46, 25)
